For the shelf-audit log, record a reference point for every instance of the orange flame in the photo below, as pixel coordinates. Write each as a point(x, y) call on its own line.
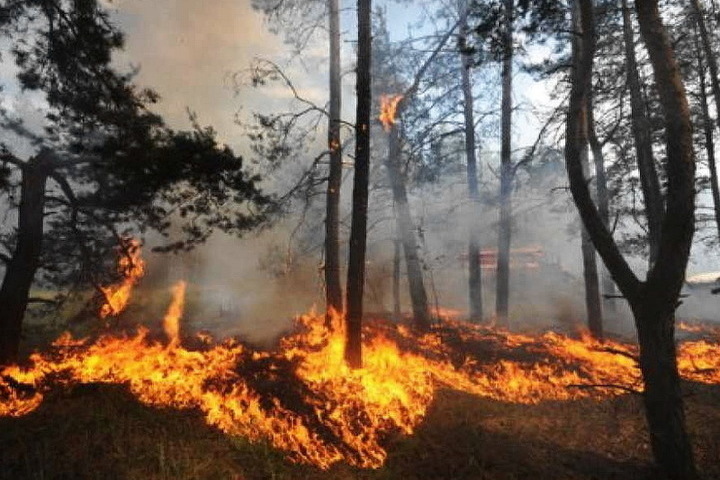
point(305, 400)
point(131, 267)
point(388, 110)
point(171, 322)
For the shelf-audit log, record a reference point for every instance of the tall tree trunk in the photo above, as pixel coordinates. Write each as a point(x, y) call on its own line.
point(397, 314)
point(20, 271)
point(708, 126)
point(709, 56)
point(405, 229)
point(358, 228)
point(653, 302)
point(593, 305)
point(333, 294)
point(474, 267)
point(603, 199)
point(643, 141)
point(502, 296)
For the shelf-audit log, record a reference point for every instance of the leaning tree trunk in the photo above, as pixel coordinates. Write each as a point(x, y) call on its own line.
point(643, 141)
point(333, 294)
point(502, 296)
point(474, 266)
point(20, 271)
point(418, 294)
point(653, 302)
point(358, 227)
point(709, 139)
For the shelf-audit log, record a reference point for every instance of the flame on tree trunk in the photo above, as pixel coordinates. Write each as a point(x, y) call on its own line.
point(20, 271)
point(131, 268)
point(403, 217)
point(358, 227)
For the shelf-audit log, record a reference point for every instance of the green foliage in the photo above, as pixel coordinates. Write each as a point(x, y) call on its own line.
point(118, 169)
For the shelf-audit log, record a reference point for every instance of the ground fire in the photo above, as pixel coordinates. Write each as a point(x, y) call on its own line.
point(131, 268)
point(303, 399)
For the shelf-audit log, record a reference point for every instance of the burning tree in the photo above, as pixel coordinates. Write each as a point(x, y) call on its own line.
point(105, 166)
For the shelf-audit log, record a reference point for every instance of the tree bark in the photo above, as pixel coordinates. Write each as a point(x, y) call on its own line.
point(709, 55)
point(662, 396)
point(474, 267)
point(653, 302)
point(23, 265)
point(593, 304)
point(333, 293)
point(502, 296)
point(603, 199)
point(397, 314)
point(643, 142)
point(405, 229)
point(358, 228)
point(708, 126)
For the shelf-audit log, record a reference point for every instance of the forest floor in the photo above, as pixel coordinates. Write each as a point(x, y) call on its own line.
point(101, 431)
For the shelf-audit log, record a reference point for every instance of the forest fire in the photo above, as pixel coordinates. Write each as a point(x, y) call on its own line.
point(388, 110)
point(302, 397)
point(131, 268)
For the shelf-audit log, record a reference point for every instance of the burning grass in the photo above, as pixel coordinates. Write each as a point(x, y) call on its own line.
point(301, 398)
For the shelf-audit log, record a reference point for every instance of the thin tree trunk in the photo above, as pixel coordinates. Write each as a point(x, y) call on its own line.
point(603, 199)
point(502, 296)
point(405, 229)
point(643, 142)
point(474, 267)
point(397, 314)
point(358, 228)
point(709, 56)
point(593, 304)
point(332, 221)
point(709, 140)
point(20, 271)
point(590, 274)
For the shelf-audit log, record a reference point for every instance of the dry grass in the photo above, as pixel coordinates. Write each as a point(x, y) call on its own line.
point(101, 431)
